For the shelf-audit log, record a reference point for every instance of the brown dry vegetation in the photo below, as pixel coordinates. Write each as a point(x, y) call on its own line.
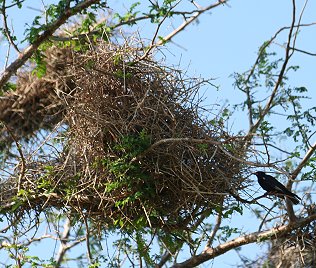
point(136, 149)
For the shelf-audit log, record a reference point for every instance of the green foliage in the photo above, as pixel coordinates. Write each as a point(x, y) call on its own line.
point(203, 147)
point(257, 81)
point(54, 11)
point(32, 32)
point(9, 86)
point(94, 265)
point(127, 172)
point(85, 26)
point(226, 232)
point(40, 69)
point(129, 16)
point(310, 173)
point(45, 182)
point(301, 120)
point(20, 253)
point(132, 145)
point(143, 249)
point(122, 74)
point(8, 34)
point(159, 11)
point(20, 199)
point(232, 209)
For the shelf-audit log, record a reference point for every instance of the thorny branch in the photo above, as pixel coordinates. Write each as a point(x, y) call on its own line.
point(209, 252)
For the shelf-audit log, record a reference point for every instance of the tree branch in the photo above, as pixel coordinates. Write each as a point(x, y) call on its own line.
point(189, 21)
point(288, 54)
point(271, 234)
point(6, 28)
point(307, 156)
point(28, 52)
point(216, 227)
point(63, 243)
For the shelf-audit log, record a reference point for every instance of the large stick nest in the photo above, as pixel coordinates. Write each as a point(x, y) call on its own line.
point(138, 151)
point(36, 103)
point(297, 249)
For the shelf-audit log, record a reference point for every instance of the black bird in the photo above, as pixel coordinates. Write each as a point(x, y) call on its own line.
point(271, 185)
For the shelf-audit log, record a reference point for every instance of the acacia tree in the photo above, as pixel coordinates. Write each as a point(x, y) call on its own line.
point(99, 139)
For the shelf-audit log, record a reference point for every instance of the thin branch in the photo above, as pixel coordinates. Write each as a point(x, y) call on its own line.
point(299, 22)
point(6, 28)
point(307, 156)
point(275, 147)
point(63, 243)
point(165, 257)
point(293, 176)
point(88, 239)
point(15, 4)
point(303, 51)
point(152, 45)
point(94, 32)
point(189, 21)
point(253, 201)
point(265, 217)
point(262, 49)
point(216, 227)
point(19, 148)
point(131, 22)
point(208, 141)
point(288, 54)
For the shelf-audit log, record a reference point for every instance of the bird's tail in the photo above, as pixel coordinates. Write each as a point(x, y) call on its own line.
point(295, 199)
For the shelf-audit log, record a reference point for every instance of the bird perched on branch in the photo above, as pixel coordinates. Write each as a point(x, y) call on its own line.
point(271, 185)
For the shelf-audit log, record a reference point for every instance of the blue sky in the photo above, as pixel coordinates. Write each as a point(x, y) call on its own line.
point(225, 41)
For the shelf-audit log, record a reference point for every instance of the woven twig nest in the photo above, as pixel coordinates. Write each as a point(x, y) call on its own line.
point(296, 249)
point(138, 151)
point(35, 103)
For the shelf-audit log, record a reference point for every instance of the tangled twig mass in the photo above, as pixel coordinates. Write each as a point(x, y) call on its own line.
point(136, 149)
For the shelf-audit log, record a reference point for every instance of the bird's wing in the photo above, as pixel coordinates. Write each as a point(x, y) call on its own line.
point(280, 187)
point(277, 185)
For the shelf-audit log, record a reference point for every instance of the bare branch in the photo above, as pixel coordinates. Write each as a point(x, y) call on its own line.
point(294, 174)
point(288, 54)
point(19, 148)
point(189, 21)
point(15, 4)
point(307, 156)
point(63, 243)
point(216, 227)
point(303, 51)
point(6, 28)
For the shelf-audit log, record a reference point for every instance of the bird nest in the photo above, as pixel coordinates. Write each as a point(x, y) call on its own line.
point(35, 102)
point(137, 150)
point(296, 249)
